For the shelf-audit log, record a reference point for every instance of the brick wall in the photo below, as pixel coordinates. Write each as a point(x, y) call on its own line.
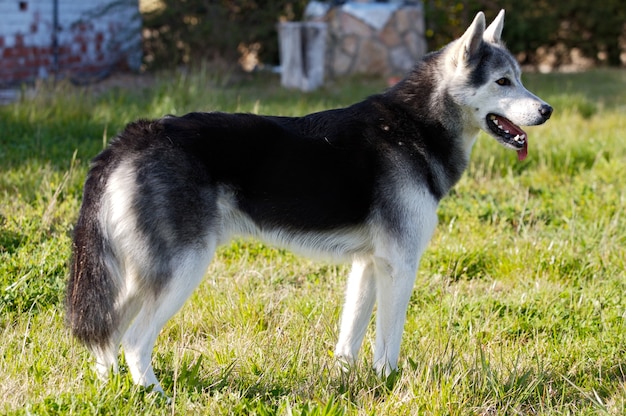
point(92, 38)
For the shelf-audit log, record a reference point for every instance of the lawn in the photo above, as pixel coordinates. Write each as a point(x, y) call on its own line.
point(518, 306)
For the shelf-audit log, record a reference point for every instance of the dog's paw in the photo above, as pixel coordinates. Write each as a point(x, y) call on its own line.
point(344, 362)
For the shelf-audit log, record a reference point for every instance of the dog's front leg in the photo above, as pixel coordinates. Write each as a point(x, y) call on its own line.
point(357, 310)
point(394, 285)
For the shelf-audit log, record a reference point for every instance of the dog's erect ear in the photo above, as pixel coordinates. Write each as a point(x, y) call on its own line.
point(469, 43)
point(494, 30)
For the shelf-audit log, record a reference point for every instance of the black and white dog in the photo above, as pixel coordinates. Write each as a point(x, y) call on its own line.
point(358, 184)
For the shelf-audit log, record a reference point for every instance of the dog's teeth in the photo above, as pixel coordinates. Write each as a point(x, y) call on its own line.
point(506, 131)
point(492, 117)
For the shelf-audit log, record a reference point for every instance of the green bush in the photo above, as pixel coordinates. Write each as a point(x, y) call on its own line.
point(530, 24)
point(188, 31)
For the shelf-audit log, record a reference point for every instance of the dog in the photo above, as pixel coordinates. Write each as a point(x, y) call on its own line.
point(359, 184)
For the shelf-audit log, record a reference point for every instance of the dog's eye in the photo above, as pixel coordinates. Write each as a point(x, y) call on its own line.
point(503, 82)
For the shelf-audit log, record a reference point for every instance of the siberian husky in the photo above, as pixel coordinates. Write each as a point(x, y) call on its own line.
point(358, 184)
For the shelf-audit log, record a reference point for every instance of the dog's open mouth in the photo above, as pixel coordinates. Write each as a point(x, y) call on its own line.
point(509, 134)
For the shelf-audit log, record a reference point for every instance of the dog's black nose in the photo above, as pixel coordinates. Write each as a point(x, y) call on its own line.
point(546, 111)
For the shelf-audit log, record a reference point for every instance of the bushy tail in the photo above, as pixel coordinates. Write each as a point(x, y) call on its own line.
point(91, 290)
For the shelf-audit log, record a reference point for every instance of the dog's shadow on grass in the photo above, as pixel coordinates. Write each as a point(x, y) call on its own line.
point(354, 382)
point(191, 379)
point(503, 387)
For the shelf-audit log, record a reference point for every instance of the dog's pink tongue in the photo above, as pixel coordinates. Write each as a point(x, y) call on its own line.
point(516, 131)
point(523, 152)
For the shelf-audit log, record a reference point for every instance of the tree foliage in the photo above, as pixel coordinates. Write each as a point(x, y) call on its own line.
point(184, 31)
point(596, 29)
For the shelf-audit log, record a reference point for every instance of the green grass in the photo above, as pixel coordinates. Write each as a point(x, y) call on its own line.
point(518, 307)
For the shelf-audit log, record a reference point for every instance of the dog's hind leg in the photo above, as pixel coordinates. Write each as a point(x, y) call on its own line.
point(106, 360)
point(357, 310)
point(106, 355)
point(188, 269)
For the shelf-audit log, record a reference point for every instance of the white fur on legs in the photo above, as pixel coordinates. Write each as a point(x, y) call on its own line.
point(138, 344)
point(393, 287)
point(139, 340)
point(106, 356)
point(357, 309)
point(106, 361)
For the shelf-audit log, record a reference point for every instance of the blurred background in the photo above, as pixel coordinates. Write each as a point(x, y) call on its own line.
point(86, 41)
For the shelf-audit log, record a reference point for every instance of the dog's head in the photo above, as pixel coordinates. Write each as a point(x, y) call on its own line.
point(487, 85)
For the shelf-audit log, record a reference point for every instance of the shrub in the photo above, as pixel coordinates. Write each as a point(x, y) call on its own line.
point(182, 32)
point(530, 24)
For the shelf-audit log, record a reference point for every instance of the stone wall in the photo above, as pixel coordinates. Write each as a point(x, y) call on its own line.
point(373, 38)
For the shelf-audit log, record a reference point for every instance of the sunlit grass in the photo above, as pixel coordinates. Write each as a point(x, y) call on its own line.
point(518, 307)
